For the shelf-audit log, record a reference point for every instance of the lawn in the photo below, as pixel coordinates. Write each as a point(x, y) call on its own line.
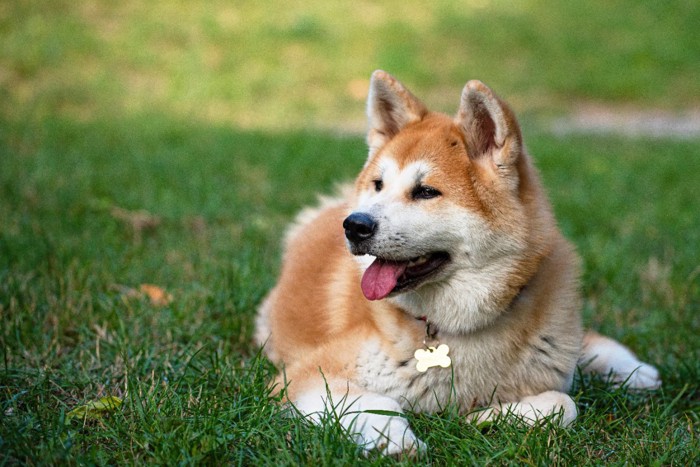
point(169, 143)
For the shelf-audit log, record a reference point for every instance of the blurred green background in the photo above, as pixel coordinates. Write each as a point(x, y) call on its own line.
point(287, 64)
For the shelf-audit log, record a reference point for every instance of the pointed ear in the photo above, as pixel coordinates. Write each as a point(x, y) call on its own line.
point(489, 126)
point(390, 107)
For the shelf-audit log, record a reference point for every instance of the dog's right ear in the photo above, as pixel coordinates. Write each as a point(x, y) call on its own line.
point(390, 107)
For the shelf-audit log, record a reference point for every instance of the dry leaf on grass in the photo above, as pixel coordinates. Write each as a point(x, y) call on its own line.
point(156, 295)
point(95, 409)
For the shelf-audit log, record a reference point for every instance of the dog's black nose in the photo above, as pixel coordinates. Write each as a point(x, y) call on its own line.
point(359, 226)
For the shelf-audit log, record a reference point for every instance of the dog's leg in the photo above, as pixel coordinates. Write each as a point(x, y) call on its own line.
point(533, 409)
point(383, 431)
point(606, 356)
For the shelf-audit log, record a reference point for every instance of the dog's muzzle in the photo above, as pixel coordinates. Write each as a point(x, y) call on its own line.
point(359, 227)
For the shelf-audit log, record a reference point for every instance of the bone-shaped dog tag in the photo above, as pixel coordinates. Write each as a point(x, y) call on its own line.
point(430, 357)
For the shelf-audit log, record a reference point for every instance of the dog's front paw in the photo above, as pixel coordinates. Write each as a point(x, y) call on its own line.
point(390, 435)
point(373, 421)
point(533, 409)
point(377, 422)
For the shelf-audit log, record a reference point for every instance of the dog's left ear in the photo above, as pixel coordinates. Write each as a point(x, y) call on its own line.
point(489, 127)
point(390, 107)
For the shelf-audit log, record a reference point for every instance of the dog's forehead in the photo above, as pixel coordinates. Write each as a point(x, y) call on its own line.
point(411, 173)
point(424, 148)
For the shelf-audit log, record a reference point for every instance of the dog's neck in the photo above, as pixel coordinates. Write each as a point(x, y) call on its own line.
point(461, 311)
point(431, 331)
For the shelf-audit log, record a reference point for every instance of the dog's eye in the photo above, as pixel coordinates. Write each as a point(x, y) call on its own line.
point(378, 185)
point(425, 192)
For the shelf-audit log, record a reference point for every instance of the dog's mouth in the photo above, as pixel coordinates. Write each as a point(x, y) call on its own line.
point(384, 277)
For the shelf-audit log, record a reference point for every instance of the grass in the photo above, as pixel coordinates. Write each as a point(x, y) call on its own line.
point(194, 386)
point(285, 66)
point(170, 143)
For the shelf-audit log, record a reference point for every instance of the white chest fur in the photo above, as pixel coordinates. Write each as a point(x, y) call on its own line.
point(482, 368)
point(399, 378)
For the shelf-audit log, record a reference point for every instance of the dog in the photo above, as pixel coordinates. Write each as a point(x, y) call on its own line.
point(439, 278)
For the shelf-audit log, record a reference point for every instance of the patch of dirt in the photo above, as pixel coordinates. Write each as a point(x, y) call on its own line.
point(590, 119)
point(597, 119)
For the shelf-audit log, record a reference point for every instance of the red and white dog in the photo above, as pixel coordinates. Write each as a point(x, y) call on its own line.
point(441, 277)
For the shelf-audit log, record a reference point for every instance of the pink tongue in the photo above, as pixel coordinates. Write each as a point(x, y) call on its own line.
point(380, 278)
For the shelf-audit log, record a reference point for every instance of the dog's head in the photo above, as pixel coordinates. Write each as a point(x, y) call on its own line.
point(441, 196)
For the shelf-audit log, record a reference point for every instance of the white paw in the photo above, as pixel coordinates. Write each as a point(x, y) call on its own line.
point(637, 375)
point(533, 409)
point(387, 434)
point(605, 356)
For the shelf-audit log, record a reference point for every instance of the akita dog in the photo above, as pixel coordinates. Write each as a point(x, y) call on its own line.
point(440, 278)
